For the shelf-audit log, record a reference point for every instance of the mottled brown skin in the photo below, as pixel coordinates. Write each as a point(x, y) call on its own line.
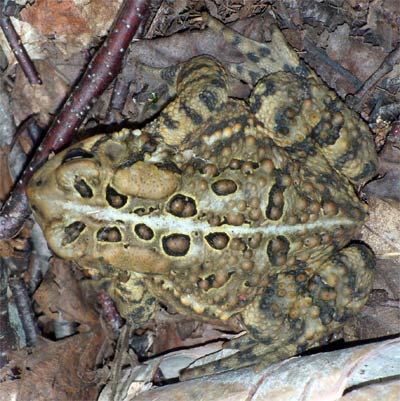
point(222, 207)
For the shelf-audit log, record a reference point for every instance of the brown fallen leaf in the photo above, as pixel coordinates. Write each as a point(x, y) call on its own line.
point(72, 23)
point(6, 179)
point(382, 231)
point(42, 100)
point(61, 294)
point(63, 370)
point(387, 188)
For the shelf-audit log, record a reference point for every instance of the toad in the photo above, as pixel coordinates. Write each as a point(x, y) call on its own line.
point(223, 207)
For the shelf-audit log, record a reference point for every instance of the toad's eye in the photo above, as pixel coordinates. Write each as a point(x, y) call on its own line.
point(77, 153)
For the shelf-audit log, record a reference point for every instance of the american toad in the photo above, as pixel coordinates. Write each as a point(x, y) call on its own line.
point(224, 207)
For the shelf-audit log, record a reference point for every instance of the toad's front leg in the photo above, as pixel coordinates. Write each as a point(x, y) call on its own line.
point(201, 87)
point(130, 293)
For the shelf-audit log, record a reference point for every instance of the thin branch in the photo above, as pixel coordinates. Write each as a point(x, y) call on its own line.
point(24, 307)
point(387, 65)
point(322, 56)
point(19, 51)
point(122, 346)
point(7, 335)
point(101, 71)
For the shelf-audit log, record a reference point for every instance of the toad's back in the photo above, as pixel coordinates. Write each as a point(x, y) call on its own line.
point(211, 226)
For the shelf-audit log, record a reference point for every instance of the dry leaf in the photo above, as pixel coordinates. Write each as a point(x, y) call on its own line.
point(62, 370)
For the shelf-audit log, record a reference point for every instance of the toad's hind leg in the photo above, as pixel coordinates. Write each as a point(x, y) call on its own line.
point(308, 119)
point(297, 110)
point(260, 58)
point(201, 87)
point(297, 310)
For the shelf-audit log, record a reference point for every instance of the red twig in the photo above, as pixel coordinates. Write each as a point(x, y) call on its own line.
point(19, 51)
point(101, 71)
point(109, 311)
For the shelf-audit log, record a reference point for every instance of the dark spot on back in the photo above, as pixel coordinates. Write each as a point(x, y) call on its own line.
point(169, 122)
point(256, 103)
point(285, 117)
point(239, 69)
point(115, 199)
point(168, 74)
point(270, 87)
point(176, 244)
point(190, 68)
point(217, 240)
point(368, 171)
point(83, 188)
point(144, 232)
point(224, 187)
point(253, 57)
point(236, 40)
point(301, 70)
point(218, 83)
point(254, 76)
point(264, 51)
point(275, 207)
point(278, 249)
point(194, 116)
point(209, 98)
point(109, 234)
point(72, 232)
point(182, 206)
